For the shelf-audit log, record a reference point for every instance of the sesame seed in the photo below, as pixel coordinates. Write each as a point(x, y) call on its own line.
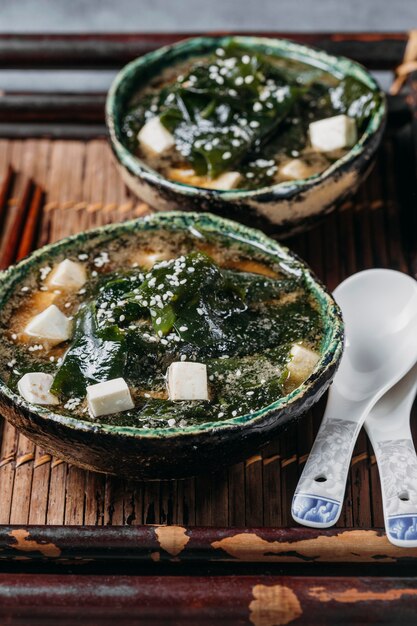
point(171, 422)
point(183, 357)
point(248, 80)
point(226, 155)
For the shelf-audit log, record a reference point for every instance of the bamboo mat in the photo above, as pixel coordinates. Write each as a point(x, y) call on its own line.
point(83, 190)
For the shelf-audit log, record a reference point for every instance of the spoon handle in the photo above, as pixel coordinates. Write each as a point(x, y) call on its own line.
point(319, 495)
point(397, 465)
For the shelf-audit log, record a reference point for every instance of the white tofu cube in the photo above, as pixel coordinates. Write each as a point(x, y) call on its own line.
point(154, 137)
point(187, 381)
point(333, 133)
point(296, 169)
point(228, 180)
point(35, 388)
point(67, 275)
point(112, 396)
point(51, 325)
point(303, 361)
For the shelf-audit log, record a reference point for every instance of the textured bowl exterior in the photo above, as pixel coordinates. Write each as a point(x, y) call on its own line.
point(170, 452)
point(281, 209)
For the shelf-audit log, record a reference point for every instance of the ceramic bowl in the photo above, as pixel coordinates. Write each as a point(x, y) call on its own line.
point(169, 452)
point(281, 209)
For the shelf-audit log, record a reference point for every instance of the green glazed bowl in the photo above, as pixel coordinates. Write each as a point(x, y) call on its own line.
point(281, 209)
point(178, 451)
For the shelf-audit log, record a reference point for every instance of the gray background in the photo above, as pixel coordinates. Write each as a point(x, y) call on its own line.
point(186, 15)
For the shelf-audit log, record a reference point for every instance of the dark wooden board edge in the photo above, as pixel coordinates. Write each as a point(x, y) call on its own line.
point(376, 50)
point(245, 600)
point(156, 543)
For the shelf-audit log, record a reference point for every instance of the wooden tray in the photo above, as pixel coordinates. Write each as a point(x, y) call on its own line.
point(84, 190)
point(55, 512)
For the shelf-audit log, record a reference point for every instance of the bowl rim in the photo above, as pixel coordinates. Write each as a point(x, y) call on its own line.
point(336, 65)
point(180, 220)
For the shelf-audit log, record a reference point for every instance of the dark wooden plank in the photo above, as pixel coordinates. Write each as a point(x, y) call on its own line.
point(187, 543)
point(240, 600)
point(52, 130)
point(40, 107)
point(112, 50)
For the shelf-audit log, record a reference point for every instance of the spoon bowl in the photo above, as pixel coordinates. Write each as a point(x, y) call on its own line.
point(380, 313)
point(379, 309)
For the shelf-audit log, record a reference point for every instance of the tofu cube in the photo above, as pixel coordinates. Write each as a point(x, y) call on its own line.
point(296, 169)
point(67, 275)
point(333, 133)
point(35, 388)
point(50, 325)
point(228, 180)
point(303, 361)
point(154, 137)
point(187, 381)
point(112, 396)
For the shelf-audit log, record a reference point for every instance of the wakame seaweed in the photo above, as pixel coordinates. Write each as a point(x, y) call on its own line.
point(135, 323)
point(94, 356)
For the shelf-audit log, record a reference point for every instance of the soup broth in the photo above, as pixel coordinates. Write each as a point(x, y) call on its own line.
point(240, 119)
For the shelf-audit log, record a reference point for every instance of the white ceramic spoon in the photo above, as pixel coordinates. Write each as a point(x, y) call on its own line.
point(380, 313)
point(388, 428)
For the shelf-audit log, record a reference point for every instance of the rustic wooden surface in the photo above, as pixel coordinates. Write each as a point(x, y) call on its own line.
point(82, 190)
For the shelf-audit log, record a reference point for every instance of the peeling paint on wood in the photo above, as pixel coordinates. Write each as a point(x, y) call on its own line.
point(26, 544)
point(274, 605)
point(172, 539)
point(352, 595)
point(355, 545)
